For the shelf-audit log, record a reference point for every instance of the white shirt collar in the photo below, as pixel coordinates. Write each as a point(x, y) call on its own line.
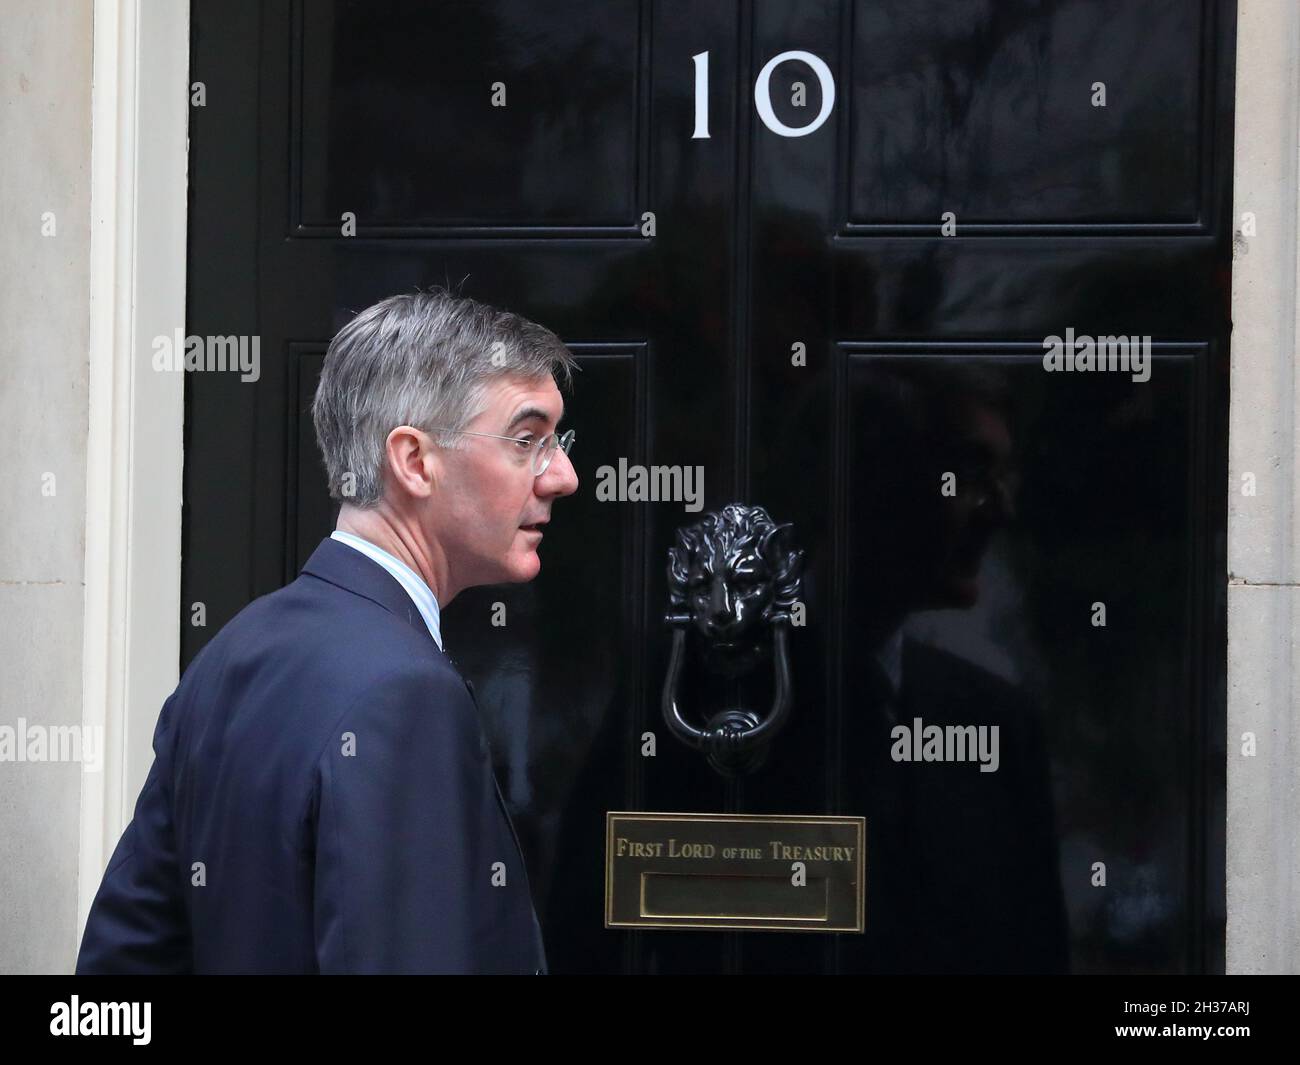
point(421, 594)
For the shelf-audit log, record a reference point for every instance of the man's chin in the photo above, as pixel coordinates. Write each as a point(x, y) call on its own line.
point(524, 567)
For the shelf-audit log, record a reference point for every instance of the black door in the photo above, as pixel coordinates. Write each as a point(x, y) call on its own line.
point(845, 326)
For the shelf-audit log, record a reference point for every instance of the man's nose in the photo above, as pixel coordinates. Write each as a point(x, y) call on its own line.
point(560, 478)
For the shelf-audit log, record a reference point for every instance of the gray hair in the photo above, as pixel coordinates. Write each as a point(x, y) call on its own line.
point(423, 359)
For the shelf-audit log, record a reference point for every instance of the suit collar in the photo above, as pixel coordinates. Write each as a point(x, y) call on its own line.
point(347, 568)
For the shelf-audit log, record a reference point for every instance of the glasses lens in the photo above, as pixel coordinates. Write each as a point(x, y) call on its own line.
point(542, 456)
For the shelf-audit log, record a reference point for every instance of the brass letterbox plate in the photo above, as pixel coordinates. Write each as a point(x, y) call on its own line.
point(797, 873)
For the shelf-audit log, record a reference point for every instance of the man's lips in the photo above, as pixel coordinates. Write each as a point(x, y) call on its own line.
point(534, 527)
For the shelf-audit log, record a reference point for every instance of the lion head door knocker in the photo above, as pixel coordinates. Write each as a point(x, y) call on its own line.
point(732, 581)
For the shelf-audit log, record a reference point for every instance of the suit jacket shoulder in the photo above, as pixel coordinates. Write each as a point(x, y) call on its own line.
point(321, 800)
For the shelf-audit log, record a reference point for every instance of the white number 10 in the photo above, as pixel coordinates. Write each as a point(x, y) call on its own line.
point(763, 95)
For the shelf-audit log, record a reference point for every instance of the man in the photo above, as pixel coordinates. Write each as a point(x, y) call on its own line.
point(322, 797)
point(963, 863)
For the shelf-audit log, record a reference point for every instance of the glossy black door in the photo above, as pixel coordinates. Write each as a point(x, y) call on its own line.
point(803, 326)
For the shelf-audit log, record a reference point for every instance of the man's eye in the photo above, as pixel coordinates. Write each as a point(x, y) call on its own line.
point(525, 442)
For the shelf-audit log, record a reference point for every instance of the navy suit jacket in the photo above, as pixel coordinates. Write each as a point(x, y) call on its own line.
point(321, 800)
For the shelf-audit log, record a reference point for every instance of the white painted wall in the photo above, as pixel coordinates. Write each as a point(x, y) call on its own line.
point(1263, 934)
point(45, 90)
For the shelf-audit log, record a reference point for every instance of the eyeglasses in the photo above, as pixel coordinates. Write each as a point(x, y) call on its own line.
point(543, 450)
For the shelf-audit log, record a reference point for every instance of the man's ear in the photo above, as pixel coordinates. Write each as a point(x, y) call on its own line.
point(412, 462)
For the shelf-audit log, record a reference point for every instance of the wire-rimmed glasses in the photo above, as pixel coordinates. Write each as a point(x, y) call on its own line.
point(543, 449)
